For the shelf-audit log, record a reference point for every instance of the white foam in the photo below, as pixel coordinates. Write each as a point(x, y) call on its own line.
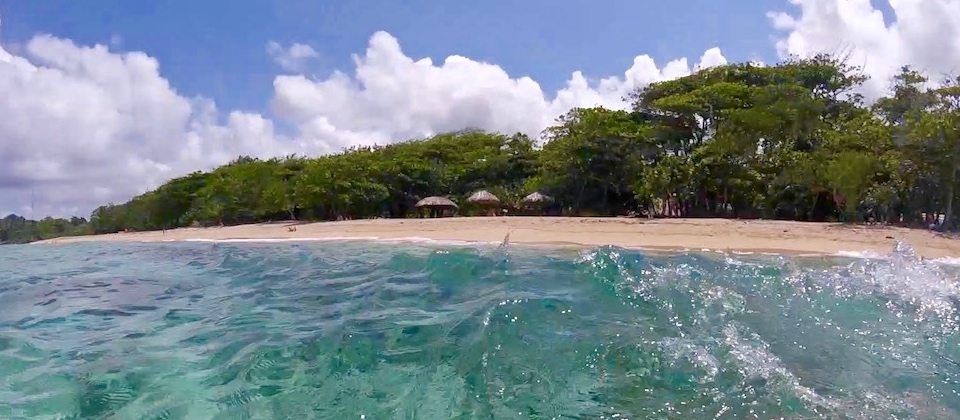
point(867, 255)
point(729, 251)
point(272, 240)
point(947, 260)
point(872, 255)
point(416, 239)
point(406, 239)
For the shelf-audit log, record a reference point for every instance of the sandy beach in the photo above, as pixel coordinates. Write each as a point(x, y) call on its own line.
point(667, 234)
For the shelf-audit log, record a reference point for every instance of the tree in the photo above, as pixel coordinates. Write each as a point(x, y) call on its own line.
point(591, 159)
point(791, 141)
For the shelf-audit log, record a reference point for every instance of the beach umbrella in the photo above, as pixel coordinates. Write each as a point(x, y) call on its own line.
point(436, 203)
point(483, 197)
point(536, 197)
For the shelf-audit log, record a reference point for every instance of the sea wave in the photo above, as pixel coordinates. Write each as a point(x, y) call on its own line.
point(873, 255)
point(402, 239)
point(863, 254)
point(340, 329)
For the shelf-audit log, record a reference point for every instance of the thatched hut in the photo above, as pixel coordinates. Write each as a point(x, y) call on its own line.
point(536, 197)
point(437, 205)
point(535, 202)
point(485, 200)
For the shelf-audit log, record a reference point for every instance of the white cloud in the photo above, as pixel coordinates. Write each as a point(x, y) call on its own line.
point(924, 34)
point(392, 97)
point(294, 58)
point(84, 125)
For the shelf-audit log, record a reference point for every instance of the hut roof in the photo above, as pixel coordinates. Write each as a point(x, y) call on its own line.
point(536, 197)
point(483, 196)
point(436, 201)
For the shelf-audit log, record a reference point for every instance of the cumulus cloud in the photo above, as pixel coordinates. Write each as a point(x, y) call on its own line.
point(391, 96)
point(923, 33)
point(84, 125)
point(293, 58)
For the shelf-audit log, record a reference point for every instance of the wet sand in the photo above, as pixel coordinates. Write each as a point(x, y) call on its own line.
point(664, 234)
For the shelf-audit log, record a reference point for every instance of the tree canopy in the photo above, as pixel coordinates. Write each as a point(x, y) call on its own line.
point(790, 141)
point(17, 229)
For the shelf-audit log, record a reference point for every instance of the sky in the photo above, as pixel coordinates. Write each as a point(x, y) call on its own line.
point(100, 101)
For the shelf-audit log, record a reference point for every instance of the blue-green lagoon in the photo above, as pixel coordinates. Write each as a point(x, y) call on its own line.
point(360, 329)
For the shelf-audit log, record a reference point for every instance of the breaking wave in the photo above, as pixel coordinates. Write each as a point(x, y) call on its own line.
point(341, 329)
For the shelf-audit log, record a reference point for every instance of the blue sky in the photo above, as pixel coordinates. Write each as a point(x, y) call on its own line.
point(73, 121)
point(217, 48)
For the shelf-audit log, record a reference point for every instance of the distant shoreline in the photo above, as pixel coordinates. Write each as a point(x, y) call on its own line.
point(782, 237)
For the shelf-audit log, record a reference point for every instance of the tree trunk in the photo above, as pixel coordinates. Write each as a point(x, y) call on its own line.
point(952, 185)
point(951, 192)
point(576, 206)
point(726, 200)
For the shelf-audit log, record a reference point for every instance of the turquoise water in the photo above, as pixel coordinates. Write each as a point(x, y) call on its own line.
point(341, 330)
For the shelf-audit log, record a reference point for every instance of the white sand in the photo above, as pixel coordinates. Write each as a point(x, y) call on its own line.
point(692, 234)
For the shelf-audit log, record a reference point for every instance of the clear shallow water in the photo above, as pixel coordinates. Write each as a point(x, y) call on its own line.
point(392, 331)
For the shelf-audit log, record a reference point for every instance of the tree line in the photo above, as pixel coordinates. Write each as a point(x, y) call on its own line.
point(790, 141)
point(18, 229)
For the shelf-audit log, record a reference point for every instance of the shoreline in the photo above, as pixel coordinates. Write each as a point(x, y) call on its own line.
point(493, 244)
point(666, 235)
point(553, 246)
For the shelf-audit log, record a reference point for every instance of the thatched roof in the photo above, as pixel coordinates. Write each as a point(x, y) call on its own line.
point(436, 202)
point(536, 197)
point(483, 196)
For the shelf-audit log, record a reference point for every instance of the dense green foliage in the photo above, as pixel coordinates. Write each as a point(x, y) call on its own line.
point(358, 183)
point(17, 230)
point(791, 141)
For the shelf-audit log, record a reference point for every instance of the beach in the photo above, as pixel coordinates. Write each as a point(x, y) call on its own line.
point(785, 237)
point(345, 329)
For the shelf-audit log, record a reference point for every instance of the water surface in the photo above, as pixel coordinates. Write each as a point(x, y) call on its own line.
point(340, 330)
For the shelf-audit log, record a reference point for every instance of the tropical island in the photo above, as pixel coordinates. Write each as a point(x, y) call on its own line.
point(791, 142)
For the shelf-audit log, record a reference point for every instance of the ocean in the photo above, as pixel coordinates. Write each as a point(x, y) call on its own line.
point(397, 330)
